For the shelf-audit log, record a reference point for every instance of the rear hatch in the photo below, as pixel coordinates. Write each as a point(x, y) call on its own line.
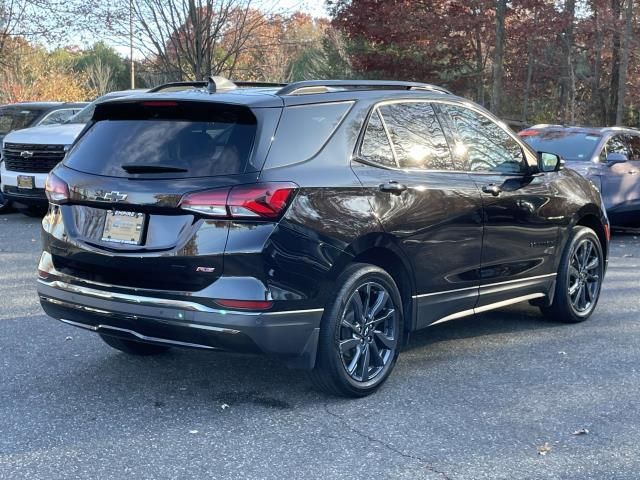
point(135, 180)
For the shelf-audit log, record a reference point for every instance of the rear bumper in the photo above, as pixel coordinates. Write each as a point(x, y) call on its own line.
point(289, 335)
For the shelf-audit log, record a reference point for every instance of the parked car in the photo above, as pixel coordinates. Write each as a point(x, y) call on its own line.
point(319, 223)
point(28, 155)
point(609, 157)
point(28, 114)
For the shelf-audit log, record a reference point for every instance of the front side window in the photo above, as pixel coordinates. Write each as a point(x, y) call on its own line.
point(616, 144)
point(483, 145)
point(375, 146)
point(634, 146)
point(417, 137)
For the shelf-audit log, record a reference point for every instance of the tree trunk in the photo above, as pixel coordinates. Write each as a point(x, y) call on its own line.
point(498, 57)
point(566, 71)
point(531, 60)
point(616, 7)
point(624, 62)
point(597, 104)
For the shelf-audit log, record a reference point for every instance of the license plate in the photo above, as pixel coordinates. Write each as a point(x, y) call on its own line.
point(123, 227)
point(26, 182)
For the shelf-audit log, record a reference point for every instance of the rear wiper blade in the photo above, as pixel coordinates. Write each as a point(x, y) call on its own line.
point(144, 168)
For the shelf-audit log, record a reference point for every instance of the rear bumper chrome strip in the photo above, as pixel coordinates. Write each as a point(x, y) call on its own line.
point(106, 328)
point(160, 302)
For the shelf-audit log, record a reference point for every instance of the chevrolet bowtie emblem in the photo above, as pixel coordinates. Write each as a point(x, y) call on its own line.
point(26, 154)
point(112, 197)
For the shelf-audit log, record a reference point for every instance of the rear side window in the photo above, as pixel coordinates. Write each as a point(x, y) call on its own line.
point(16, 118)
point(417, 137)
point(483, 145)
point(181, 142)
point(375, 146)
point(634, 146)
point(303, 131)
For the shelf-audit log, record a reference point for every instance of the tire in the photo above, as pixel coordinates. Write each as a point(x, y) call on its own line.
point(33, 212)
point(347, 340)
point(5, 204)
point(580, 274)
point(132, 347)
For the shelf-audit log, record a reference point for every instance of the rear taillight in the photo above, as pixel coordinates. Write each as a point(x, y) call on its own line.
point(56, 189)
point(262, 200)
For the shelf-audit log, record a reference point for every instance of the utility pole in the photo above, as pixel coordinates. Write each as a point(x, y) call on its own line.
point(133, 74)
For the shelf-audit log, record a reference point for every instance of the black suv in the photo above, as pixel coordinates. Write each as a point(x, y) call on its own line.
point(319, 222)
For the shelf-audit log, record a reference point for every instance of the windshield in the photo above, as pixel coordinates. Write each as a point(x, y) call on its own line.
point(17, 118)
point(572, 146)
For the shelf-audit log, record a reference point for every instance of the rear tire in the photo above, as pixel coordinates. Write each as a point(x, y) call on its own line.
point(360, 333)
point(579, 279)
point(33, 212)
point(5, 204)
point(132, 347)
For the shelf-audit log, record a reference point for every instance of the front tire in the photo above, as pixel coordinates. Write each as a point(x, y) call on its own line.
point(360, 333)
point(5, 204)
point(579, 279)
point(132, 347)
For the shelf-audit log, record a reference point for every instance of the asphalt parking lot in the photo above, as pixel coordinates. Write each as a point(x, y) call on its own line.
point(472, 399)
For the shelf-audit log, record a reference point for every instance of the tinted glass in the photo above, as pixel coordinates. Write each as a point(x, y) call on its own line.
point(201, 148)
point(59, 116)
point(304, 130)
point(417, 137)
point(572, 146)
point(375, 144)
point(484, 145)
point(633, 142)
point(17, 118)
point(617, 144)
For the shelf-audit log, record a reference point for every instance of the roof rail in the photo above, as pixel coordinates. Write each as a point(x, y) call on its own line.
point(223, 85)
point(308, 87)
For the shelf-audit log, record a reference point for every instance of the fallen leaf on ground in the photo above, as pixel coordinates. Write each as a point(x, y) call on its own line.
point(193, 432)
point(68, 338)
point(544, 449)
point(582, 431)
point(224, 406)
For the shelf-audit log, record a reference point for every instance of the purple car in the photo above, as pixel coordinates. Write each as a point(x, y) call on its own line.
point(609, 157)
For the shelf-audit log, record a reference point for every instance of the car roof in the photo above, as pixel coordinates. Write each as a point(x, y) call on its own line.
point(44, 105)
point(299, 93)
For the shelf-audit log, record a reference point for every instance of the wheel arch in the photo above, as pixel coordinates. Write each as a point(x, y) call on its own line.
point(383, 251)
point(593, 221)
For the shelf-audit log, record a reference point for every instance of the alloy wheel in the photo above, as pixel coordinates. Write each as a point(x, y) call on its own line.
point(368, 336)
point(584, 276)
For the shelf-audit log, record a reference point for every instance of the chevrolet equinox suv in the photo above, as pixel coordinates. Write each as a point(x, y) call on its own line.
point(319, 223)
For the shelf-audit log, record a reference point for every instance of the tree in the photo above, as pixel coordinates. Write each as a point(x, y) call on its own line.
point(195, 38)
point(498, 57)
point(624, 61)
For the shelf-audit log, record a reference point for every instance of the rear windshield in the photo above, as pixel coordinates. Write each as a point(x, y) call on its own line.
point(17, 118)
point(178, 147)
point(573, 146)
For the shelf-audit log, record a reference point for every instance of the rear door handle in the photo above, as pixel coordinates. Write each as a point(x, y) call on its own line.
point(494, 190)
point(393, 187)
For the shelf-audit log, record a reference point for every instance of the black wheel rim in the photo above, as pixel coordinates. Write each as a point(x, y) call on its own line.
point(367, 338)
point(584, 276)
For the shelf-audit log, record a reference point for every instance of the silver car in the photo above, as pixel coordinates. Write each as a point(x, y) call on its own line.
point(609, 157)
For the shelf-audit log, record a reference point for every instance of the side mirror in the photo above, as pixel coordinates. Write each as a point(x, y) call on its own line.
point(614, 158)
point(549, 162)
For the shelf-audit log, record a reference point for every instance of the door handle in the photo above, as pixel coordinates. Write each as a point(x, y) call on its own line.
point(494, 190)
point(393, 187)
point(632, 172)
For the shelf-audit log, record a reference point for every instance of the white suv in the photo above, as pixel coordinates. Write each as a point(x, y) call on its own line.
point(29, 155)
